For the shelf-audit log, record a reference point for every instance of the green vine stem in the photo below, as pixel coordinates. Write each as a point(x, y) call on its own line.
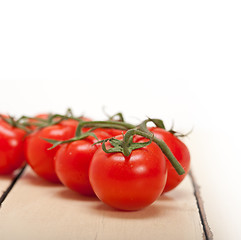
point(165, 149)
point(119, 115)
point(112, 117)
point(55, 143)
point(158, 122)
point(103, 124)
point(15, 123)
point(94, 124)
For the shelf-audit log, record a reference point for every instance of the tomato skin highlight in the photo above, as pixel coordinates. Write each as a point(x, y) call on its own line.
point(11, 148)
point(179, 150)
point(128, 183)
point(72, 163)
point(37, 154)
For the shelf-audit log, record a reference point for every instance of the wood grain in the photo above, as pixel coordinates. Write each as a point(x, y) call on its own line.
point(36, 209)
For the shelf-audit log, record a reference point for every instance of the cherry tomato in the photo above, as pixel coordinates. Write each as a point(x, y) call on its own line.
point(11, 147)
point(179, 150)
point(72, 162)
point(86, 119)
point(38, 156)
point(43, 116)
point(129, 183)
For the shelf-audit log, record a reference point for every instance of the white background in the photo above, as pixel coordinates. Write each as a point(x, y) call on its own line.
point(176, 60)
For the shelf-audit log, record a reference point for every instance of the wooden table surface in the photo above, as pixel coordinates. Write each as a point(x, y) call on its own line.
point(36, 209)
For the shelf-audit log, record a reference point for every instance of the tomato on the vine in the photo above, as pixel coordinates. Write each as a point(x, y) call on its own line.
point(128, 183)
point(37, 154)
point(32, 121)
point(73, 159)
point(179, 150)
point(11, 147)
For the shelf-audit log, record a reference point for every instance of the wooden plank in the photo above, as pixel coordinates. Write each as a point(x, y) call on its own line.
point(7, 182)
point(207, 230)
point(36, 210)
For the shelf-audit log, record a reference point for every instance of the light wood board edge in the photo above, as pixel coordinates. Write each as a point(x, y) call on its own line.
point(11, 185)
point(208, 235)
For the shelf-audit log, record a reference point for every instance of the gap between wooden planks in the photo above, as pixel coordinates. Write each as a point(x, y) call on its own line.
point(35, 209)
point(11, 185)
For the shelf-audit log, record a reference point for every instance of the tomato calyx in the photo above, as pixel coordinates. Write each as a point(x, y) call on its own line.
point(50, 119)
point(125, 146)
point(16, 123)
point(40, 122)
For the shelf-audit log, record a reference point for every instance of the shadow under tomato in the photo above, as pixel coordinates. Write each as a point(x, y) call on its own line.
point(34, 179)
point(176, 194)
point(7, 176)
point(165, 197)
point(71, 195)
point(152, 211)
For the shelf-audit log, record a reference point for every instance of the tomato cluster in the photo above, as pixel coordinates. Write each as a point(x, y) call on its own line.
point(126, 166)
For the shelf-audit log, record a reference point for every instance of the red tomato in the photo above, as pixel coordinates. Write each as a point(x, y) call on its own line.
point(129, 183)
point(11, 147)
point(38, 156)
point(43, 116)
point(179, 150)
point(72, 162)
point(86, 119)
point(112, 132)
